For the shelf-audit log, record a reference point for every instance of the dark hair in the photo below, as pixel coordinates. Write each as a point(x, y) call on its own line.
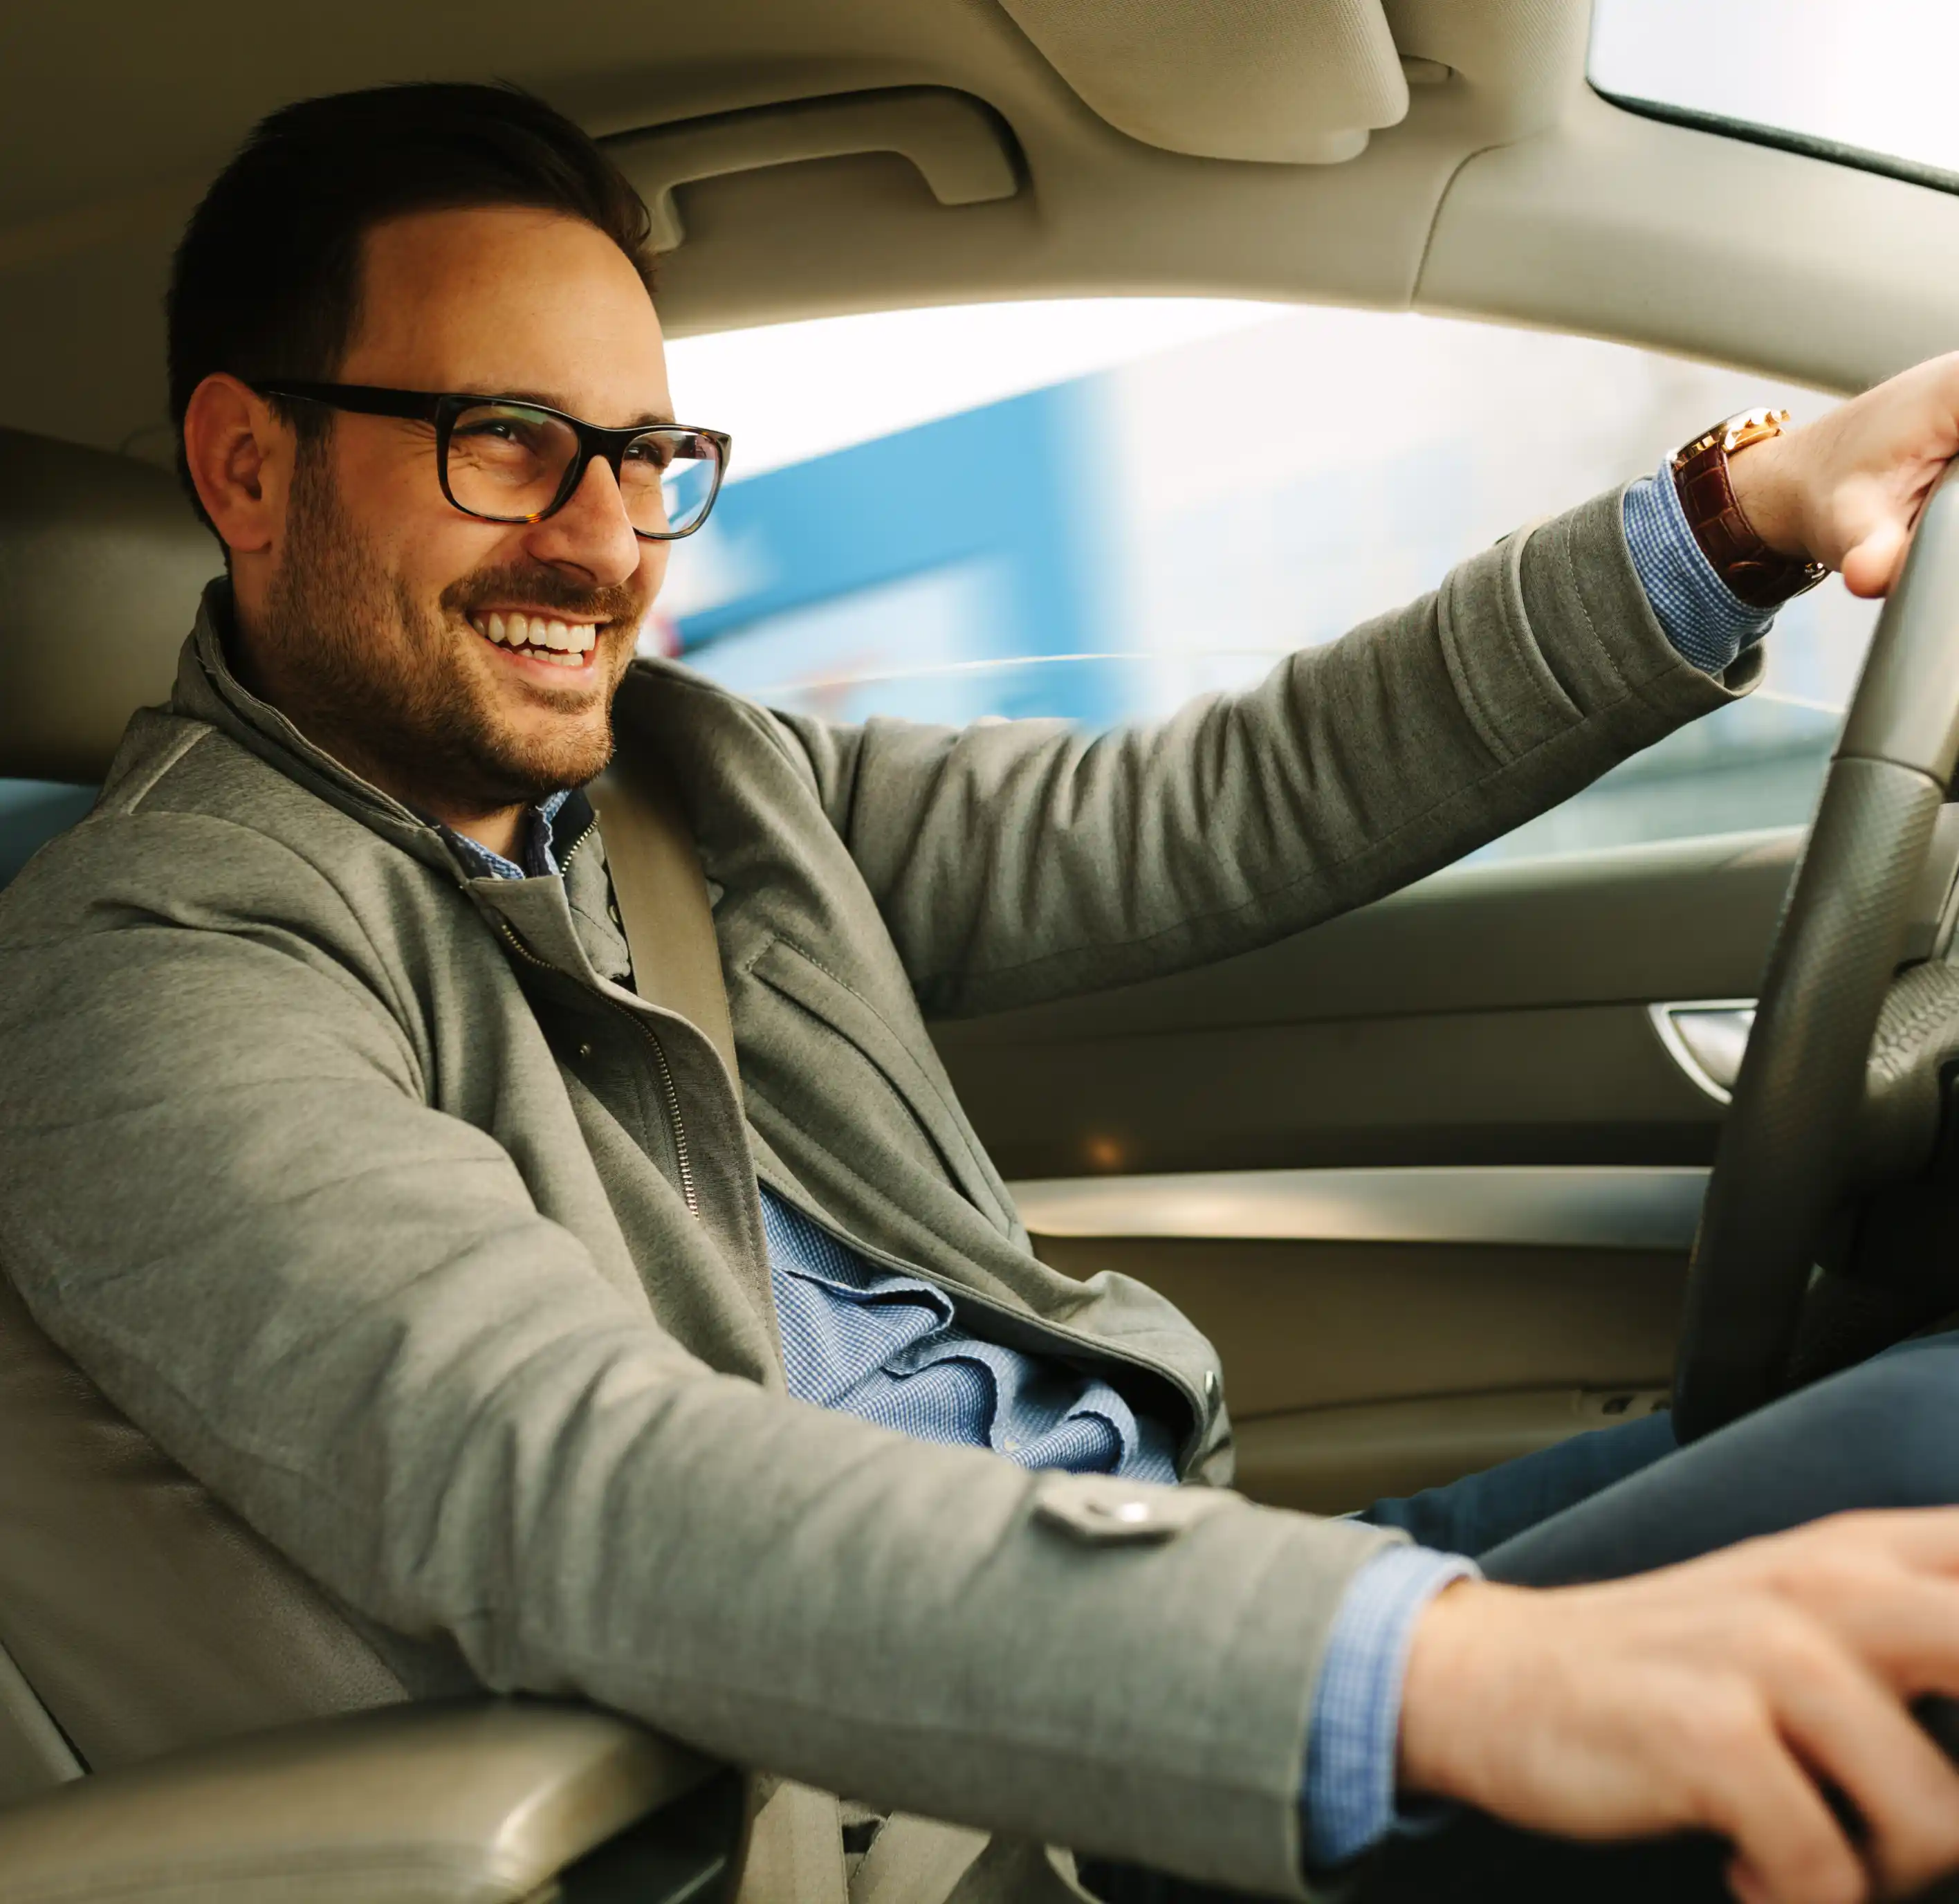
point(266, 281)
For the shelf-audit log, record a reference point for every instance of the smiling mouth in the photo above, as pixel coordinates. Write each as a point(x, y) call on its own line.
point(539, 637)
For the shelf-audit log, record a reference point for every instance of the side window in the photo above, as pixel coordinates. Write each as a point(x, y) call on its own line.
point(1096, 510)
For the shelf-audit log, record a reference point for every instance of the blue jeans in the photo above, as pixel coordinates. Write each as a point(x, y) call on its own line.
point(1619, 1501)
point(1624, 1500)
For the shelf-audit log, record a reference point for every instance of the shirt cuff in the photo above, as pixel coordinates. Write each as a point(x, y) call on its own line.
point(1347, 1796)
point(1707, 622)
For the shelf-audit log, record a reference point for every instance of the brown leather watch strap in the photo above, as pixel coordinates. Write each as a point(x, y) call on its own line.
point(1754, 572)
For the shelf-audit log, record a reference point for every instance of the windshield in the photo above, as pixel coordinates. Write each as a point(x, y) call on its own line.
point(1868, 84)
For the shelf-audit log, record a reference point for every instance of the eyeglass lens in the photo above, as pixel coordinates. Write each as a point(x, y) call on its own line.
point(508, 462)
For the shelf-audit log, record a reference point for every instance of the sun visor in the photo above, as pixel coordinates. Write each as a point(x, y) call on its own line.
point(1286, 82)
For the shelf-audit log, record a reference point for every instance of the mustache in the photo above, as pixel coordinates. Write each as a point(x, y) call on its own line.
point(548, 589)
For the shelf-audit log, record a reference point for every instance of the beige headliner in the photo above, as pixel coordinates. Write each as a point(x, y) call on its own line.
point(1509, 190)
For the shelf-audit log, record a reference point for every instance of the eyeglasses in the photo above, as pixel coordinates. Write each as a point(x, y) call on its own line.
point(504, 460)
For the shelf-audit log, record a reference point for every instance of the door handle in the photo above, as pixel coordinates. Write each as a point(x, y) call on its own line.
point(1706, 1038)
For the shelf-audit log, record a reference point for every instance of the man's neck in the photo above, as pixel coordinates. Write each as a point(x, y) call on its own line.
point(501, 829)
point(502, 832)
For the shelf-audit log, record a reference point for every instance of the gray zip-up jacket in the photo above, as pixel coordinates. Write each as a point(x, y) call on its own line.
point(365, 1189)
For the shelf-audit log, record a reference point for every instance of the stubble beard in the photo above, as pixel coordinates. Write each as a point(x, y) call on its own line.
point(374, 677)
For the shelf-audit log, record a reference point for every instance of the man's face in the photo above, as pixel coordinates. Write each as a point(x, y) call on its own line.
point(371, 624)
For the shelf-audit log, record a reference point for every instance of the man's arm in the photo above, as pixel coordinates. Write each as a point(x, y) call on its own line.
point(223, 1191)
point(1024, 860)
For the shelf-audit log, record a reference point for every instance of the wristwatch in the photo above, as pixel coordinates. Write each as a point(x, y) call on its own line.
point(1752, 571)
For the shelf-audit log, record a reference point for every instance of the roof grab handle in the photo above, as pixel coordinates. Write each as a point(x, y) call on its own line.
point(960, 147)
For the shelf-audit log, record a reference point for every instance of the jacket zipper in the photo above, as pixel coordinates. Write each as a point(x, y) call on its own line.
point(683, 1158)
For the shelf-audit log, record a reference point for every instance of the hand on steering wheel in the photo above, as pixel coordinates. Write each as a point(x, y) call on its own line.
point(1847, 490)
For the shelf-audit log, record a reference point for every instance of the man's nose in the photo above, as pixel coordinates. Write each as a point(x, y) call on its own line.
point(592, 533)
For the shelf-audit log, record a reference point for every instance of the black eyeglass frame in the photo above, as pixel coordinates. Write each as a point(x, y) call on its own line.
point(441, 408)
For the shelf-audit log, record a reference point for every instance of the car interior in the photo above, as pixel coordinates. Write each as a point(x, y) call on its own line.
point(1429, 1175)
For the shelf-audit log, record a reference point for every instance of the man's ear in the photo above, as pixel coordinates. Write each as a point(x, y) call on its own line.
point(240, 457)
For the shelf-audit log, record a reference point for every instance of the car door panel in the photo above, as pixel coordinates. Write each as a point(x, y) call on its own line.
point(1328, 1460)
point(1493, 1020)
point(1357, 1369)
point(1490, 1014)
point(1568, 1084)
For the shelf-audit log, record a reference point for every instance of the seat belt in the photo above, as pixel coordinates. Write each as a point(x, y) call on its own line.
point(795, 1849)
point(663, 902)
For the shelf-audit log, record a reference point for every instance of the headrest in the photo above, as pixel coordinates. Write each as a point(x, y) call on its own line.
point(101, 564)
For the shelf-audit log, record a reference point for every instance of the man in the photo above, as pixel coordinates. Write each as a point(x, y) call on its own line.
point(343, 1153)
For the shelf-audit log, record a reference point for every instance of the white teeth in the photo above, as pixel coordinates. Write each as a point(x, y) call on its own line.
point(571, 638)
point(546, 638)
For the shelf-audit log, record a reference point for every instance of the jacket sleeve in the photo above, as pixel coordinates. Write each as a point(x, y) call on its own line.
point(1020, 861)
point(224, 1192)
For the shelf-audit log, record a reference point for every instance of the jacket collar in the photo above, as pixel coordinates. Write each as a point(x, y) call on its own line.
point(206, 689)
point(539, 909)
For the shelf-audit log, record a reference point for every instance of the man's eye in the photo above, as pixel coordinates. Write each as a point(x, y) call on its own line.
point(655, 451)
point(498, 432)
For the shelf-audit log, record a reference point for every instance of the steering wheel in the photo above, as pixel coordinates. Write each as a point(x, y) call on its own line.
point(1840, 1084)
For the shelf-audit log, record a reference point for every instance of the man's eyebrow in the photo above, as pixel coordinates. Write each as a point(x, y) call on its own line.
point(645, 420)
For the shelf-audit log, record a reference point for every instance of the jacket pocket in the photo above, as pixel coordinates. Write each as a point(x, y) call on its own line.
point(926, 1099)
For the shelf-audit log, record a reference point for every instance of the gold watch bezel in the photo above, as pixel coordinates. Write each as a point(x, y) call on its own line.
point(1752, 427)
point(1738, 432)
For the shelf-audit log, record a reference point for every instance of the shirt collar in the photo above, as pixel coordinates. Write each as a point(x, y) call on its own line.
point(535, 841)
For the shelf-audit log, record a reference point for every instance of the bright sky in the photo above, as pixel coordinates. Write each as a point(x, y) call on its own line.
point(1874, 73)
point(791, 391)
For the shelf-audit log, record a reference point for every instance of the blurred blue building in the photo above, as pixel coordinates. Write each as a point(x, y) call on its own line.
point(895, 574)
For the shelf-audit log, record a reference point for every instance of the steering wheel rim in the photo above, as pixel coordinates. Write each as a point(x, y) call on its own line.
point(1783, 1164)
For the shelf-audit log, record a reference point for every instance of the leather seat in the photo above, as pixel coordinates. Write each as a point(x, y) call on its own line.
point(137, 1615)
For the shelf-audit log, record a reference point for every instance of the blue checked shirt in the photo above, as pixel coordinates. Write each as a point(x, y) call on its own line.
point(888, 1346)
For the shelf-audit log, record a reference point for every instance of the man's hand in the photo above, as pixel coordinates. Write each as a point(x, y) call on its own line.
point(1722, 1696)
point(1846, 489)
